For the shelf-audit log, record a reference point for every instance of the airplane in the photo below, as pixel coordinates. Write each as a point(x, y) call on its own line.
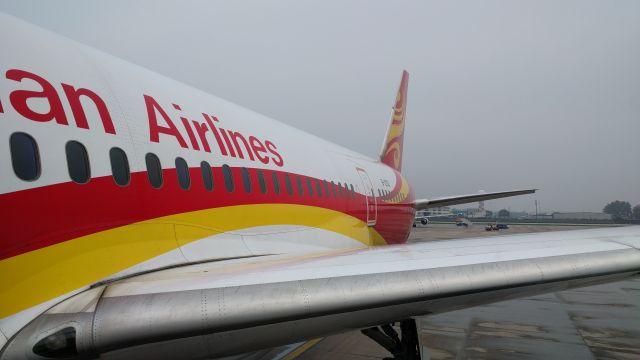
point(142, 217)
point(421, 217)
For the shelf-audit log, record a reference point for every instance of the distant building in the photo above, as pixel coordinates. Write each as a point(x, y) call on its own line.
point(439, 211)
point(476, 213)
point(541, 216)
point(518, 215)
point(581, 216)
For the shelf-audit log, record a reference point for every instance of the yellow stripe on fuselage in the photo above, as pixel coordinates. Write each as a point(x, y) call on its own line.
point(37, 276)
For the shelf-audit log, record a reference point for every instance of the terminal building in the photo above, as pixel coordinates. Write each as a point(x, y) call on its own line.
point(439, 211)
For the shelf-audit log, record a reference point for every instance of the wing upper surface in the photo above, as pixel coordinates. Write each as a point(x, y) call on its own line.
point(217, 303)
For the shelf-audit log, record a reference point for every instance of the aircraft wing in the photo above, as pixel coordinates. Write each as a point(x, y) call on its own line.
point(422, 204)
point(235, 306)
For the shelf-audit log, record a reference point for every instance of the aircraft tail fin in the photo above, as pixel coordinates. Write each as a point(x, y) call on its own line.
point(391, 154)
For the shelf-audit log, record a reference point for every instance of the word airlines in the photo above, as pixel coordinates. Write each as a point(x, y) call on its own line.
point(228, 142)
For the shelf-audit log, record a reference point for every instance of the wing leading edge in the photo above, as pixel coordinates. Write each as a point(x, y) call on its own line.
point(422, 204)
point(206, 310)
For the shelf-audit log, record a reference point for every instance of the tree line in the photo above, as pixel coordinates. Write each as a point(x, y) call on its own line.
point(622, 210)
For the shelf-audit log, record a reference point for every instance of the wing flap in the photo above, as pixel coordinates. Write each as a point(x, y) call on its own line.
point(287, 301)
point(422, 204)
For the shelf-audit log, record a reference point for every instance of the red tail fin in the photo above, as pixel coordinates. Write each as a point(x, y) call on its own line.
point(392, 147)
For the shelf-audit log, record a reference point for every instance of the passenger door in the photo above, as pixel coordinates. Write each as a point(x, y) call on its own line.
point(370, 198)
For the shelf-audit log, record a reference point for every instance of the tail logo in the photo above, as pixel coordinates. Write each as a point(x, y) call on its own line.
point(392, 151)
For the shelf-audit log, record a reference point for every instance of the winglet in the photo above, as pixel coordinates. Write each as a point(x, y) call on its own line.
point(391, 154)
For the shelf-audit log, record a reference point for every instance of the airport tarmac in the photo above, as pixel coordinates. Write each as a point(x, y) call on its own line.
point(598, 322)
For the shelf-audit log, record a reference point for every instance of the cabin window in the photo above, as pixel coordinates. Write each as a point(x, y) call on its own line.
point(333, 189)
point(228, 177)
point(25, 157)
point(263, 184)
point(207, 175)
point(154, 170)
point(379, 193)
point(287, 183)
point(353, 192)
point(326, 189)
point(246, 180)
point(276, 182)
point(340, 190)
point(318, 188)
point(119, 166)
point(346, 191)
point(182, 170)
point(299, 183)
point(309, 187)
point(78, 162)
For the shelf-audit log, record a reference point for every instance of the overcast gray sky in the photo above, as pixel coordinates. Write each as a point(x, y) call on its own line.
point(502, 95)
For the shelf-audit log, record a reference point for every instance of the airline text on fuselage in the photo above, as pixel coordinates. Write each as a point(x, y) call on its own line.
point(202, 135)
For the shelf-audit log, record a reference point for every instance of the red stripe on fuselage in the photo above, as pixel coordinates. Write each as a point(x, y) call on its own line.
point(48, 215)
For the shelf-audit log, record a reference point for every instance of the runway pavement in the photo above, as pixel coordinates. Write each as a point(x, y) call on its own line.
point(598, 322)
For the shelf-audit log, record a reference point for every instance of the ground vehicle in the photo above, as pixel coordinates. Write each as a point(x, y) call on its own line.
point(462, 221)
point(491, 227)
